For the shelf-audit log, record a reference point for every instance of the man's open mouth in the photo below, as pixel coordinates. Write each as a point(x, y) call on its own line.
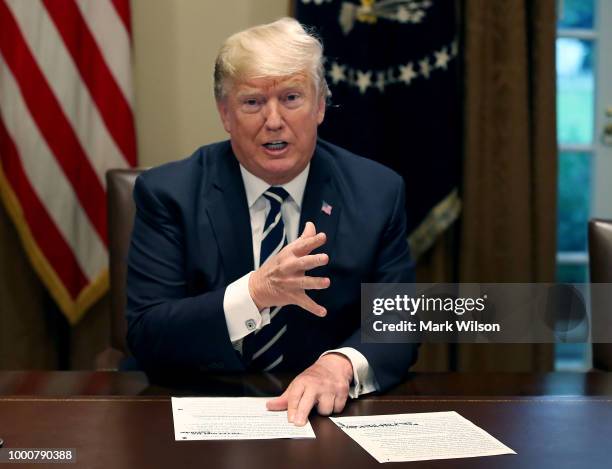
point(276, 145)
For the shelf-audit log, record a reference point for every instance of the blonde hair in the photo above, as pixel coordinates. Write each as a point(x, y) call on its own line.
point(277, 49)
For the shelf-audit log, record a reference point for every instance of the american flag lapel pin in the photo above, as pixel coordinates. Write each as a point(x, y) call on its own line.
point(326, 208)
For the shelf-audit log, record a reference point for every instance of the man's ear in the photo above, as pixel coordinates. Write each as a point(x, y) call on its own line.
point(321, 110)
point(224, 114)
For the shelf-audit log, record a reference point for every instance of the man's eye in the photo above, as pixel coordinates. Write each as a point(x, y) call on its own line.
point(293, 99)
point(251, 105)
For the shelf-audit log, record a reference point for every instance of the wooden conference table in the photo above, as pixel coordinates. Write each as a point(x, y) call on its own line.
point(124, 420)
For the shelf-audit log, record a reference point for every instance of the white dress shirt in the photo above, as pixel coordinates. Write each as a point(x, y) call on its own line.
point(241, 314)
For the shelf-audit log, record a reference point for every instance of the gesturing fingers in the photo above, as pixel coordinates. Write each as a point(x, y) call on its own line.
point(281, 281)
point(312, 261)
point(309, 283)
point(309, 230)
point(303, 246)
point(307, 303)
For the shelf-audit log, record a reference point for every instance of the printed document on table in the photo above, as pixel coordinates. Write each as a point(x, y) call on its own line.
point(231, 418)
point(419, 437)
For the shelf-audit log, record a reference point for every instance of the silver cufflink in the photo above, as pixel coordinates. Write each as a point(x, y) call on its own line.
point(250, 324)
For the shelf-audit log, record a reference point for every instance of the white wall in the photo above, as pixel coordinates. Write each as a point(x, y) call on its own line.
point(175, 45)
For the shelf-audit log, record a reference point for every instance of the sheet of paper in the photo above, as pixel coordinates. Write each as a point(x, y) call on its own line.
point(231, 418)
point(419, 437)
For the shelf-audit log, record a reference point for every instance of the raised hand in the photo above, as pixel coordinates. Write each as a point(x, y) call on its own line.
point(281, 280)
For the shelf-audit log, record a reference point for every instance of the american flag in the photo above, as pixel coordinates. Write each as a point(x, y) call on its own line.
point(326, 208)
point(65, 119)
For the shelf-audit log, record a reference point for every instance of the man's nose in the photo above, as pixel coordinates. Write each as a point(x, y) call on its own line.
point(273, 116)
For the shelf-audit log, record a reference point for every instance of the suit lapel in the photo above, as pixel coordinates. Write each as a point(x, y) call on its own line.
point(321, 204)
point(229, 216)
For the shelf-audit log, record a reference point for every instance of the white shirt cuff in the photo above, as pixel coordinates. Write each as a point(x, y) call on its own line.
point(364, 380)
point(241, 314)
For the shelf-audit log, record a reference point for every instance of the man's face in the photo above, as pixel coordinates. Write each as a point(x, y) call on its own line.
point(272, 124)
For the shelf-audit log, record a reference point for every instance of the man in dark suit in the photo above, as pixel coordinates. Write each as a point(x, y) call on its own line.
point(217, 272)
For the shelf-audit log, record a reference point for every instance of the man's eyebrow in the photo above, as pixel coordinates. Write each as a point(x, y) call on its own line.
point(248, 91)
point(293, 84)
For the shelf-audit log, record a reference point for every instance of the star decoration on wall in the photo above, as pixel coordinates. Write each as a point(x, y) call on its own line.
point(364, 81)
point(402, 15)
point(337, 73)
point(425, 67)
point(407, 73)
point(442, 58)
point(401, 74)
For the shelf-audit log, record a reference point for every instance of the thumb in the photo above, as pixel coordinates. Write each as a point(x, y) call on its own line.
point(309, 230)
point(278, 403)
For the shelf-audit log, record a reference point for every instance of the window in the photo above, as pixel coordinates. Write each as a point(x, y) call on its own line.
point(583, 85)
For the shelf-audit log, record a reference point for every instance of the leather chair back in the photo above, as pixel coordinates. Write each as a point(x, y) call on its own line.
point(121, 212)
point(600, 261)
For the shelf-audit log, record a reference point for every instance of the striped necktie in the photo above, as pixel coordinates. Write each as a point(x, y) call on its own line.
point(263, 349)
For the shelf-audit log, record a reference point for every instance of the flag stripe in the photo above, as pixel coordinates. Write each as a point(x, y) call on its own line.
point(112, 39)
point(44, 231)
point(123, 9)
point(65, 82)
point(58, 197)
point(51, 121)
point(111, 102)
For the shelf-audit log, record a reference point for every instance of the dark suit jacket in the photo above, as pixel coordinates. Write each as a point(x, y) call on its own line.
point(192, 237)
